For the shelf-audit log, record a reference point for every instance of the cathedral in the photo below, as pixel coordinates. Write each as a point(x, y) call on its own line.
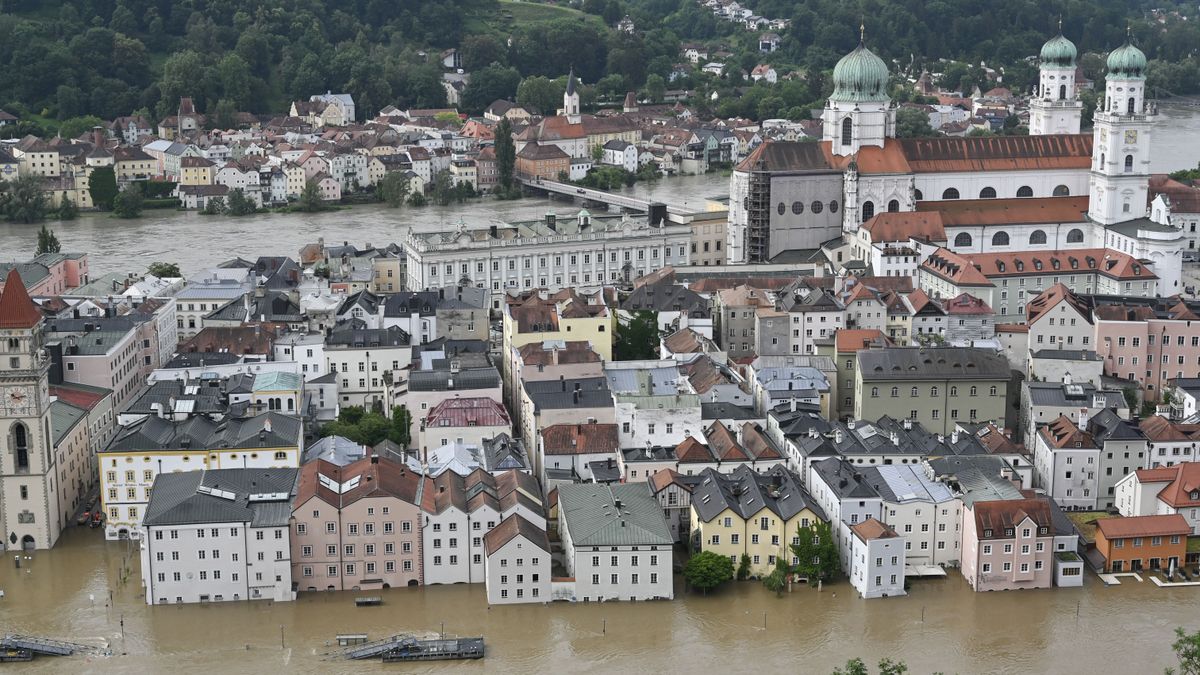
point(1054, 189)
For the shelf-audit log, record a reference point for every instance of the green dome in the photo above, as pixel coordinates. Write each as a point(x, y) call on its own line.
point(1059, 51)
point(860, 76)
point(1127, 61)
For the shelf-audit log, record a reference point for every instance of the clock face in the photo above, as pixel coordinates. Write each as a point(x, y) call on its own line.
point(1131, 136)
point(18, 400)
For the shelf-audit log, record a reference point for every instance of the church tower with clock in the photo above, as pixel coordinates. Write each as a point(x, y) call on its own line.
point(1120, 175)
point(30, 508)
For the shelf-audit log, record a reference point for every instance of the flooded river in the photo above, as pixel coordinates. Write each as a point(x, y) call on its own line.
point(197, 242)
point(940, 626)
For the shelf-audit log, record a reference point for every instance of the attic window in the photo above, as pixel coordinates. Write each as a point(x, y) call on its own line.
point(987, 533)
point(1043, 530)
point(1195, 494)
point(1008, 532)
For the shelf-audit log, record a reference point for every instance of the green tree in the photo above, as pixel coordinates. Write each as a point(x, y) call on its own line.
point(213, 206)
point(128, 202)
point(417, 199)
point(854, 666)
point(655, 88)
point(47, 242)
point(913, 123)
point(816, 553)
point(890, 667)
point(448, 118)
point(401, 426)
point(102, 186)
point(393, 189)
point(67, 210)
point(310, 198)
point(743, 570)
point(488, 84)
point(1131, 397)
point(164, 270)
point(707, 570)
point(776, 581)
point(24, 200)
point(443, 188)
point(637, 338)
point(239, 203)
point(506, 156)
point(597, 153)
point(1187, 650)
point(478, 51)
point(77, 126)
point(224, 115)
point(361, 426)
point(540, 94)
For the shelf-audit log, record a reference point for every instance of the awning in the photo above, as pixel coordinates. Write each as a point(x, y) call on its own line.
point(924, 571)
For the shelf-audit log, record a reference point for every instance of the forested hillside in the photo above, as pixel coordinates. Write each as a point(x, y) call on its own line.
point(62, 59)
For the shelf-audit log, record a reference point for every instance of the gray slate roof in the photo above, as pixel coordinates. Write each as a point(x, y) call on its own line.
point(919, 363)
point(557, 394)
point(844, 479)
point(593, 519)
point(1079, 394)
point(201, 433)
point(444, 380)
point(223, 496)
point(903, 483)
point(975, 478)
point(747, 492)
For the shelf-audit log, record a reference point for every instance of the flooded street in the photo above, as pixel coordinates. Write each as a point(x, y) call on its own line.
point(1121, 629)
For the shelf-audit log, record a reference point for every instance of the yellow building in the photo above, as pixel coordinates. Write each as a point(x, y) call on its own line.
point(196, 171)
point(133, 164)
point(753, 514)
point(171, 442)
point(565, 316)
point(387, 274)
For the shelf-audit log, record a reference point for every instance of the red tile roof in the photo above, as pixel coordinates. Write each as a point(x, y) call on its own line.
point(475, 411)
point(1018, 211)
point(872, 528)
point(1184, 481)
point(997, 153)
point(978, 269)
point(900, 226)
point(852, 340)
point(580, 439)
point(1143, 526)
point(1000, 515)
point(966, 304)
point(16, 309)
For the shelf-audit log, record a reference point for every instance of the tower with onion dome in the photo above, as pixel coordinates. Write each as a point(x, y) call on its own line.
point(1055, 108)
point(859, 113)
point(1120, 175)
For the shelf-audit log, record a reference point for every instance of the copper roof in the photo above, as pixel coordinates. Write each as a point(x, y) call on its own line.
point(16, 309)
point(1001, 515)
point(1143, 526)
point(903, 225)
point(1016, 211)
point(998, 153)
point(873, 528)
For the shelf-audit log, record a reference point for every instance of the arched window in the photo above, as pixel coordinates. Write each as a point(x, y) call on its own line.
point(954, 391)
point(1024, 191)
point(1062, 92)
point(1128, 163)
point(933, 391)
point(1102, 160)
point(847, 131)
point(987, 193)
point(913, 392)
point(1000, 238)
point(1129, 106)
point(874, 392)
point(917, 194)
point(893, 206)
point(963, 240)
point(950, 193)
point(868, 211)
point(1075, 236)
point(1062, 191)
point(20, 444)
point(1037, 237)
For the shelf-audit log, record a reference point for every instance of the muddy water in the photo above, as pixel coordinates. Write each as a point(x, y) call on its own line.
point(941, 626)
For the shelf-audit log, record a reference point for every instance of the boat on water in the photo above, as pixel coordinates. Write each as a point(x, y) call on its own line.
point(450, 649)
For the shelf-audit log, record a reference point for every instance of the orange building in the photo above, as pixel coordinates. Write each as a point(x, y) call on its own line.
point(542, 161)
point(1142, 542)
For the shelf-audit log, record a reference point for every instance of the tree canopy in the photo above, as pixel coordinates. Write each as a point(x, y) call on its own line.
point(637, 338)
point(707, 570)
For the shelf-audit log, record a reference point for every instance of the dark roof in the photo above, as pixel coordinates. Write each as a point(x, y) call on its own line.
point(779, 156)
point(844, 479)
point(588, 392)
point(270, 430)
point(444, 380)
point(919, 363)
point(510, 528)
point(260, 497)
point(347, 335)
point(1106, 425)
point(663, 297)
point(747, 492)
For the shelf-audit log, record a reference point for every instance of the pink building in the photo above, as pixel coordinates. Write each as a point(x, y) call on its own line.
point(50, 273)
point(358, 527)
point(1008, 544)
point(1148, 340)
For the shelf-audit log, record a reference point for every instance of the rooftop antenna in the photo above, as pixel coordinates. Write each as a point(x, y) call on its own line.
point(862, 31)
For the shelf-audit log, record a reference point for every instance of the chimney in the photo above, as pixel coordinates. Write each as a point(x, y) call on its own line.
point(850, 425)
point(954, 437)
point(907, 423)
point(895, 438)
point(98, 137)
point(1083, 418)
point(837, 436)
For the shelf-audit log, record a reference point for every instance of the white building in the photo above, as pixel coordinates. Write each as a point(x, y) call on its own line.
point(877, 555)
point(923, 511)
point(845, 496)
point(616, 542)
point(213, 536)
point(1162, 491)
point(361, 358)
point(1066, 461)
point(585, 252)
point(518, 562)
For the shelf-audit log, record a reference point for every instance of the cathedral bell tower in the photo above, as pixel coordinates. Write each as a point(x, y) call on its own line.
point(1120, 175)
point(1056, 109)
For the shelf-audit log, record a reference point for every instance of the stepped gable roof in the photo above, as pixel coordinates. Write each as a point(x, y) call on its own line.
point(997, 153)
point(16, 308)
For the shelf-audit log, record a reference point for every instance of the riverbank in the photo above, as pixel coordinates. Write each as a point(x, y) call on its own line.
point(940, 626)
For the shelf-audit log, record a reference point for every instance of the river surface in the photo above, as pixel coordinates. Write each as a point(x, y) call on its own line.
point(940, 626)
point(196, 242)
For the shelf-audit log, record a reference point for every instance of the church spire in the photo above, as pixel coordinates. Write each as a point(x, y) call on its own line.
point(16, 309)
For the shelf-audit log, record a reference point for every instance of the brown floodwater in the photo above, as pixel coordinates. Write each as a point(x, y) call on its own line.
point(940, 626)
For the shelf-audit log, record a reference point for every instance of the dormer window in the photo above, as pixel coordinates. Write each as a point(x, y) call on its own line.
point(1008, 532)
point(1195, 494)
